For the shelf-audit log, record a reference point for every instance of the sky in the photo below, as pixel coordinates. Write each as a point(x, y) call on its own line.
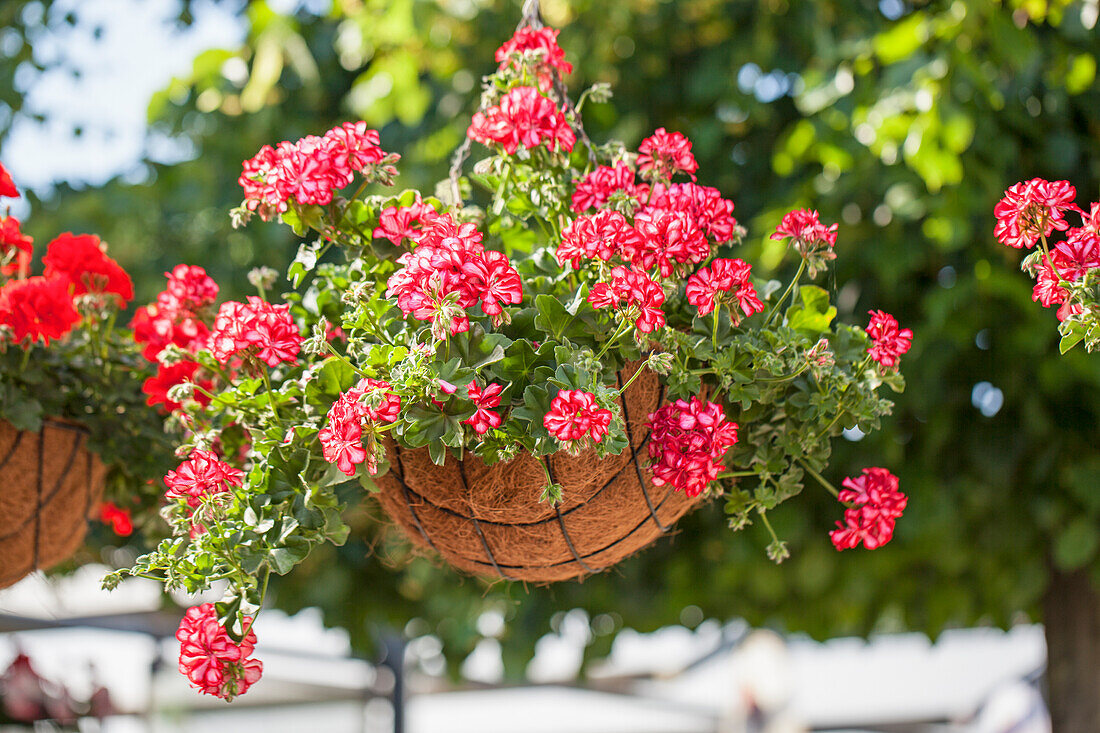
point(138, 52)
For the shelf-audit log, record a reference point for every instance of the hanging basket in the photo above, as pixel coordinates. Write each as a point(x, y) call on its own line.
point(51, 483)
point(488, 520)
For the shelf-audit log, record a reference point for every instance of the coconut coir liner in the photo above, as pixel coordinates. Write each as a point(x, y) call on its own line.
point(488, 520)
point(50, 484)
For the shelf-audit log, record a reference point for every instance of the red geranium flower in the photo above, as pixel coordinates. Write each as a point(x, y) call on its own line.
point(342, 437)
point(712, 213)
point(596, 189)
point(602, 235)
point(37, 308)
point(531, 39)
point(664, 153)
point(575, 416)
point(687, 443)
point(211, 660)
point(887, 342)
point(637, 292)
point(81, 259)
point(804, 226)
point(1033, 209)
point(523, 117)
point(666, 240)
point(308, 170)
point(167, 377)
point(7, 185)
point(1079, 253)
point(256, 328)
point(724, 276)
point(15, 247)
point(189, 289)
point(484, 401)
point(398, 223)
point(1047, 289)
point(450, 271)
point(119, 519)
point(876, 504)
point(201, 475)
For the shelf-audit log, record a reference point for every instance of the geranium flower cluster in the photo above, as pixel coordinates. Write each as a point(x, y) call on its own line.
point(664, 153)
point(634, 294)
point(370, 401)
point(875, 503)
point(203, 474)
point(524, 117)
point(615, 186)
point(649, 233)
point(255, 329)
point(575, 418)
point(79, 277)
point(1031, 210)
point(400, 223)
point(687, 443)
point(212, 662)
point(118, 518)
point(178, 317)
point(485, 400)
point(449, 272)
point(1029, 214)
point(888, 342)
point(537, 45)
point(813, 240)
point(312, 169)
point(721, 282)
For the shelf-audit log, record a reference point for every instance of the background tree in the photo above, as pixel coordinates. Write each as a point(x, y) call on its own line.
point(904, 121)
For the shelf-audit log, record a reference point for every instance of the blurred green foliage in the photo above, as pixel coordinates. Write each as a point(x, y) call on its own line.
point(904, 121)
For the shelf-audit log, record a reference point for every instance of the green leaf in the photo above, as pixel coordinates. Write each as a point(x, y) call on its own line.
point(283, 559)
point(22, 410)
point(815, 314)
point(476, 348)
point(552, 319)
point(1070, 340)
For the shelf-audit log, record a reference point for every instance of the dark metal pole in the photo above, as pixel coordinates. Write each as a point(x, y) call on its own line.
point(394, 644)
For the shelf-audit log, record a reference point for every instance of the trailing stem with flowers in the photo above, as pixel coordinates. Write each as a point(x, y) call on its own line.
point(503, 318)
point(1066, 272)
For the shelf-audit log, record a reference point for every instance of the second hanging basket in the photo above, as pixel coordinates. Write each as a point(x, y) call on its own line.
point(51, 483)
point(488, 520)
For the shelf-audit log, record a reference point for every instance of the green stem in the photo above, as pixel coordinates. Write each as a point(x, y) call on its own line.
point(630, 381)
point(342, 358)
point(617, 335)
point(714, 329)
point(787, 377)
point(498, 203)
point(105, 337)
point(198, 388)
point(790, 287)
point(271, 396)
point(736, 474)
point(764, 518)
point(820, 479)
